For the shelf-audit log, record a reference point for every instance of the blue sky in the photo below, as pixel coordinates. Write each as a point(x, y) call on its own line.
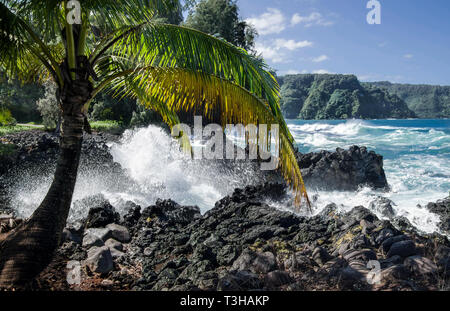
point(411, 45)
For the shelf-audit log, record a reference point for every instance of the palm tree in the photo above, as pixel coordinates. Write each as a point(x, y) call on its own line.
point(122, 47)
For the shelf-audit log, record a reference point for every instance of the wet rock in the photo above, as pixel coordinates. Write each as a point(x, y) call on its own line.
point(118, 232)
point(403, 224)
point(102, 212)
point(383, 206)
point(99, 260)
point(442, 208)
point(359, 213)
point(169, 212)
point(403, 248)
point(343, 170)
point(133, 213)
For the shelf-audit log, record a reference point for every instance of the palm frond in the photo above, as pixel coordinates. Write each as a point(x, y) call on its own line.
point(198, 93)
point(21, 46)
point(165, 45)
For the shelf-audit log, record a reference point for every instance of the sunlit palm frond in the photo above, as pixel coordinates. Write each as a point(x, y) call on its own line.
point(172, 46)
point(184, 90)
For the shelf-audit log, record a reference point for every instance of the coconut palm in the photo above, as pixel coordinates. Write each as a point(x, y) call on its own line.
point(123, 47)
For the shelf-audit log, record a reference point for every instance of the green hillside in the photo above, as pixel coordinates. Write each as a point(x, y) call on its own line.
point(427, 101)
point(330, 96)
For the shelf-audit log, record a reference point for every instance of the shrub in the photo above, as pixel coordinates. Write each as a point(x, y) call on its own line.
point(48, 106)
point(6, 118)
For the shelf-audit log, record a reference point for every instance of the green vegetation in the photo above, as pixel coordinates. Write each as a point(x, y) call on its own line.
point(316, 96)
point(427, 101)
point(220, 18)
point(20, 99)
point(109, 126)
point(5, 130)
point(6, 118)
point(48, 106)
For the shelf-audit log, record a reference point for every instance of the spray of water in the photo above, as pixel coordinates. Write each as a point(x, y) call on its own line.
point(153, 168)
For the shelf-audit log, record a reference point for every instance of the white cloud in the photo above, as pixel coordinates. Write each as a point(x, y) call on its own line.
point(272, 21)
point(292, 72)
point(291, 45)
point(312, 19)
point(320, 58)
point(276, 50)
point(321, 71)
point(408, 56)
point(270, 53)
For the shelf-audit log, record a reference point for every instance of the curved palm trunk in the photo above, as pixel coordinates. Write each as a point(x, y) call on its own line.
point(30, 248)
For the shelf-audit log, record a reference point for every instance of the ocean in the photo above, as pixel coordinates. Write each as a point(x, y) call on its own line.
point(416, 161)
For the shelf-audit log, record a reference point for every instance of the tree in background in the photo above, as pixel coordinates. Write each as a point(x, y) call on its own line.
point(48, 106)
point(220, 18)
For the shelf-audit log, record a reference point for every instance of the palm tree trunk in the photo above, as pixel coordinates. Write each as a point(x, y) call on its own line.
point(30, 248)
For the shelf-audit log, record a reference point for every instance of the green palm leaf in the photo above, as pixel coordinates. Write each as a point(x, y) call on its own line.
point(198, 93)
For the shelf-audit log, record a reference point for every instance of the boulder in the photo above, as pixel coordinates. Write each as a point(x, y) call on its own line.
point(277, 278)
point(442, 208)
point(255, 262)
point(383, 206)
point(99, 260)
point(420, 265)
point(111, 243)
point(343, 169)
point(403, 248)
point(239, 281)
point(120, 233)
point(101, 214)
point(95, 237)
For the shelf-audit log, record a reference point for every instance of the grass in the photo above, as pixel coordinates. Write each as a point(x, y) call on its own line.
point(5, 130)
point(109, 126)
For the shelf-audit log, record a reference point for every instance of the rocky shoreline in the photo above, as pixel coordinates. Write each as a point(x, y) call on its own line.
point(242, 243)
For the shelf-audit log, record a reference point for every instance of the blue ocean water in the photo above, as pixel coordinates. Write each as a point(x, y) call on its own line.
point(416, 160)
